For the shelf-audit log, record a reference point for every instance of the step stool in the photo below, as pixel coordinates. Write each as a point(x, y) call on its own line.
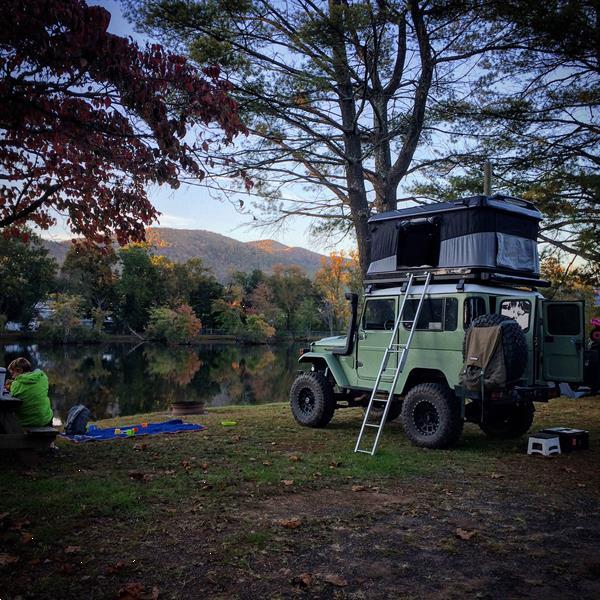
point(546, 444)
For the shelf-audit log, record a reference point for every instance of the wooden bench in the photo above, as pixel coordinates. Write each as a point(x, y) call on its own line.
point(34, 438)
point(27, 442)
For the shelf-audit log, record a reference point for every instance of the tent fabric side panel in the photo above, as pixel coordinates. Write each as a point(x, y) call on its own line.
point(384, 247)
point(517, 253)
point(475, 250)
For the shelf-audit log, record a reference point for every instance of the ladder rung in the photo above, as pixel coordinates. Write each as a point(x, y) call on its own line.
point(364, 451)
point(372, 425)
point(386, 400)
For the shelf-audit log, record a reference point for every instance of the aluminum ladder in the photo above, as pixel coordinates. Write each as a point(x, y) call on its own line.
point(393, 348)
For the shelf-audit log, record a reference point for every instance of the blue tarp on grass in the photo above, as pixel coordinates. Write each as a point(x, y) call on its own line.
point(172, 426)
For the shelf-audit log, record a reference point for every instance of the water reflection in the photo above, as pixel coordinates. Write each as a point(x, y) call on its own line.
point(123, 379)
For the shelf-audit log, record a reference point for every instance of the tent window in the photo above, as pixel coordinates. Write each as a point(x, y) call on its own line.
point(419, 245)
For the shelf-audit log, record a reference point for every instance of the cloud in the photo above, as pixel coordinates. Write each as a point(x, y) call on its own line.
point(177, 222)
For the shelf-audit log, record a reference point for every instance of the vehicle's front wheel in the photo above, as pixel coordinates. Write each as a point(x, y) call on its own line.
point(431, 416)
point(312, 400)
point(510, 422)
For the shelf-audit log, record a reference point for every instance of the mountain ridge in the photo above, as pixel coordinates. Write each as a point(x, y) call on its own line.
point(220, 253)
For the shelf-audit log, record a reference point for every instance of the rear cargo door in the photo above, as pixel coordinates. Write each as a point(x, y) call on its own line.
point(374, 334)
point(563, 343)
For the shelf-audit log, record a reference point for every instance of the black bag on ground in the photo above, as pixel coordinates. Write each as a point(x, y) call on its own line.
point(77, 418)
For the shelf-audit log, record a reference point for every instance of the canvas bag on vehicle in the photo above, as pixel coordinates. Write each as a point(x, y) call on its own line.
point(484, 352)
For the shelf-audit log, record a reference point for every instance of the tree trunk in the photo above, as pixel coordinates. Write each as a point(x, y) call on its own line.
point(355, 180)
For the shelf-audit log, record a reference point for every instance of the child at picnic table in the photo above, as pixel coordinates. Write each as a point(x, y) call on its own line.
point(32, 388)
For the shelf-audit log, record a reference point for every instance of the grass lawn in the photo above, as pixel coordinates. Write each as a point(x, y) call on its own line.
point(268, 509)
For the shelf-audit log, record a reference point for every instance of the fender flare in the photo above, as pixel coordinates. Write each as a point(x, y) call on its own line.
point(329, 361)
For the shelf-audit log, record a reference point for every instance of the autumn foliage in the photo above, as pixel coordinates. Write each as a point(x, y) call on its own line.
point(88, 119)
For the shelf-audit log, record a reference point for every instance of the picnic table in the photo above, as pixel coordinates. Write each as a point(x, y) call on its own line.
point(28, 441)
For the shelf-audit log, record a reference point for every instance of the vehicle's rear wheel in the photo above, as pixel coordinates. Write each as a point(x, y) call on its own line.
point(509, 422)
point(431, 416)
point(311, 399)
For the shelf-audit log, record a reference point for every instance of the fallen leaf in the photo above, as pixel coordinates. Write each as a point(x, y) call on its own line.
point(569, 470)
point(303, 579)
point(295, 458)
point(358, 488)
point(497, 476)
point(287, 482)
point(118, 566)
point(136, 591)
point(186, 464)
point(334, 580)
point(140, 446)
point(334, 464)
point(8, 559)
point(19, 524)
point(267, 463)
point(290, 523)
point(66, 568)
point(25, 537)
point(204, 465)
point(139, 476)
point(72, 549)
point(464, 534)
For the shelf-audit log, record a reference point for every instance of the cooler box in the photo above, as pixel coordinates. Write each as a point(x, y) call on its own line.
point(570, 439)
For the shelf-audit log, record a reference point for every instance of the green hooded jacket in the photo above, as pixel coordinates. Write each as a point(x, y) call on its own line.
point(32, 388)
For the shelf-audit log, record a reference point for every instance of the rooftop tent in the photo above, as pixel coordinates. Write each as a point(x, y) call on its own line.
point(486, 232)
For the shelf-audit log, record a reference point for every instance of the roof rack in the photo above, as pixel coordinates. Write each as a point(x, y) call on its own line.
point(460, 275)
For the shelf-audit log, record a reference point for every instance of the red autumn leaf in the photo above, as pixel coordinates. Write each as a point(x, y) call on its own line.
point(89, 137)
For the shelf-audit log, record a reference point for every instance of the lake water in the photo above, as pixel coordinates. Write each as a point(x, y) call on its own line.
point(125, 379)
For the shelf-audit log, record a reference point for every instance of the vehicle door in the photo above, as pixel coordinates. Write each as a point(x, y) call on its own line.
point(563, 341)
point(374, 334)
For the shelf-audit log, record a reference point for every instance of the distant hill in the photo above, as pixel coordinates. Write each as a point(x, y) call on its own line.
point(220, 253)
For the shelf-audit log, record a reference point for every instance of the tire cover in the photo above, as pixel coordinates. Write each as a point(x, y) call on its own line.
point(514, 343)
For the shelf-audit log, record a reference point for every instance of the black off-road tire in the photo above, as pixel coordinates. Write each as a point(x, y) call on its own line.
point(431, 416)
point(312, 400)
point(509, 422)
point(514, 343)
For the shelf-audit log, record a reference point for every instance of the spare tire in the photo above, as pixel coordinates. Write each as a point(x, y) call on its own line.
point(514, 343)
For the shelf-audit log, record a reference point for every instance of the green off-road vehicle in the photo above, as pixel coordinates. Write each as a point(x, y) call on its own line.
point(451, 329)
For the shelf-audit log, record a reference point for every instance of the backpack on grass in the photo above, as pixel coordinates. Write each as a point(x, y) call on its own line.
point(77, 418)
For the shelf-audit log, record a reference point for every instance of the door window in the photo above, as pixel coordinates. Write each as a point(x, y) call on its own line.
point(519, 310)
point(563, 319)
point(379, 315)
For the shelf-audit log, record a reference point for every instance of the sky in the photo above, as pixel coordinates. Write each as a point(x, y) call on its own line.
point(194, 207)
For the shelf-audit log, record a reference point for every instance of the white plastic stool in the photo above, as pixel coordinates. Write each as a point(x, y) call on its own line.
point(546, 444)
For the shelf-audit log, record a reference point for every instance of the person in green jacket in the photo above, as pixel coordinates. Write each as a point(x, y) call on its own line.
point(31, 387)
